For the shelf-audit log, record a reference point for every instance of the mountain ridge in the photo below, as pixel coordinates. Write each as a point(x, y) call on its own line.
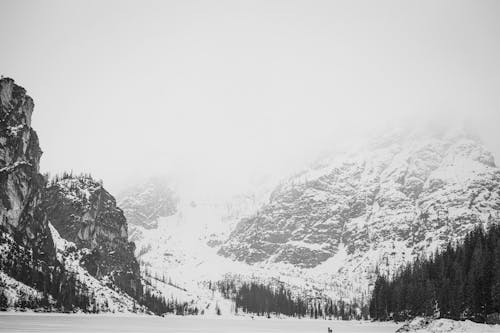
point(329, 229)
point(384, 199)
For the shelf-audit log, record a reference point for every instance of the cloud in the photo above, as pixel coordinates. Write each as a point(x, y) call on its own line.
point(215, 92)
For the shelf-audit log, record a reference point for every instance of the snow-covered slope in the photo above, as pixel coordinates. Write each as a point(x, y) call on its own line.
point(181, 248)
point(17, 294)
point(104, 295)
point(106, 298)
point(328, 229)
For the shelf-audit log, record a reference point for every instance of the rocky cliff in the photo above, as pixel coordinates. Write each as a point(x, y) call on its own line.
point(34, 260)
point(21, 185)
point(83, 212)
point(375, 207)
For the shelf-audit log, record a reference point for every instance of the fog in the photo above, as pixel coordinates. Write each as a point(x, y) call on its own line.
point(215, 94)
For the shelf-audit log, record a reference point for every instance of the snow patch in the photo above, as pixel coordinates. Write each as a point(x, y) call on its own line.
point(425, 325)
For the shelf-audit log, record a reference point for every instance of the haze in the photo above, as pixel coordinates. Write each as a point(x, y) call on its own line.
point(218, 92)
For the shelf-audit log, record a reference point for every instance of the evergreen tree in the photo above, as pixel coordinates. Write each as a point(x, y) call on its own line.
point(460, 282)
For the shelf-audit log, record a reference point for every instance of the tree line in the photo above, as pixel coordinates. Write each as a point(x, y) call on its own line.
point(158, 304)
point(266, 300)
point(52, 180)
point(459, 282)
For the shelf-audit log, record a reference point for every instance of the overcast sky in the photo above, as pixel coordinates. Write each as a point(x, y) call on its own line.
point(218, 91)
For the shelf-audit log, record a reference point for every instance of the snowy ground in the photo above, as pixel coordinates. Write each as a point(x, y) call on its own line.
point(32, 322)
point(422, 325)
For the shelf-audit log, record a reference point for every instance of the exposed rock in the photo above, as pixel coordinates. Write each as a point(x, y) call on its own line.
point(21, 185)
point(85, 213)
point(386, 203)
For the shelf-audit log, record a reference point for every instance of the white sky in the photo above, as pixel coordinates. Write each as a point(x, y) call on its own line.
point(218, 91)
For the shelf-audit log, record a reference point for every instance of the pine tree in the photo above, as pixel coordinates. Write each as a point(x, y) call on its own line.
point(460, 282)
point(495, 289)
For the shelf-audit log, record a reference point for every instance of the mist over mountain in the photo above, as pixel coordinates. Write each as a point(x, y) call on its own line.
point(413, 190)
point(335, 223)
point(324, 229)
point(328, 160)
point(216, 94)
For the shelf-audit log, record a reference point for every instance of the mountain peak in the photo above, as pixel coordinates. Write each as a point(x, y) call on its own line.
point(385, 202)
point(22, 185)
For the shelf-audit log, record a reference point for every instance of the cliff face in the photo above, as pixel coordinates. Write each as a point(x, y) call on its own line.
point(34, 260)
point(85, 213)
point(384, 204)
point(21, 185)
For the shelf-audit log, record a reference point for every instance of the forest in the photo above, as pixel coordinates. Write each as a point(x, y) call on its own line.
point(460, 282)
point(60, 289)
point(274, 300)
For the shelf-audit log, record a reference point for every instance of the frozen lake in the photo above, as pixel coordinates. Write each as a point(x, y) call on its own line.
point(34, 322)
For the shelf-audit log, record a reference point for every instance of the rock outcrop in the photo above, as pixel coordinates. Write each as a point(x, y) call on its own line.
point(144, 204)
point(21, 184)
point(85, 213)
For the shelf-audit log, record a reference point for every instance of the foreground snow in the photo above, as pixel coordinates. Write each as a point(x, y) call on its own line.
point(422, 325)
point(96, 323)
point(55, 322)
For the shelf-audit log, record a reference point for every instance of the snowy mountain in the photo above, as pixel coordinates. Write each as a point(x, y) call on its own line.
point(84, 213)
point(375, 207)
point(64, 247)
point(145, 203)
point(178, 251)
point(327, 230)
point(154, 209)
point(323, 232)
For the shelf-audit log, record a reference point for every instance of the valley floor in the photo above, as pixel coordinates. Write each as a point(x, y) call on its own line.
point(35, 322)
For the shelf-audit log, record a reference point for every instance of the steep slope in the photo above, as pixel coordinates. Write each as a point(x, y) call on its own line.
point(180, 228)
point(84, 213)
point(179, 254)
point(17, 294)
point(104, 297)
point(21, 184)
point(373, 208)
